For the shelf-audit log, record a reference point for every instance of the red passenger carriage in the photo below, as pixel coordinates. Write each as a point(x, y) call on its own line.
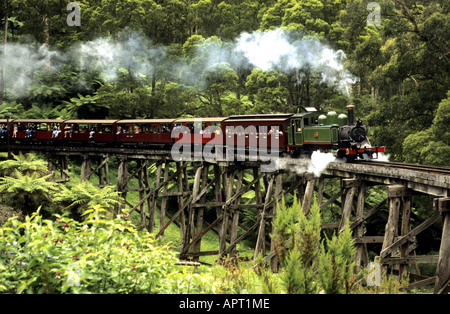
point(199, 130)
point(144, 131)
point(256, 131)
point(78, 130)
point(36, 129)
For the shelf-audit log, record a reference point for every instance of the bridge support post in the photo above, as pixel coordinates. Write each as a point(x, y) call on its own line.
point(399, 201)
point(122, 181)
point(102, 169)
point(59, 163)
point(353, 197)
point(309, 193)
point(278, 190)
point(442, 284)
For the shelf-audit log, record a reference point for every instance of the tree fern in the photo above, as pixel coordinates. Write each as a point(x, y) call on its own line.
point(84, 195)
point(27, 192)
point(23, 165)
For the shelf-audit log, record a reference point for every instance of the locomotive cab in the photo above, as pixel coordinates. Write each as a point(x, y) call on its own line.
point(312, 130)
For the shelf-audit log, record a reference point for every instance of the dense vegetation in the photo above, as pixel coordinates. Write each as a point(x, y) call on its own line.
point(171, 58)
point(103, 255)
point(168, 58)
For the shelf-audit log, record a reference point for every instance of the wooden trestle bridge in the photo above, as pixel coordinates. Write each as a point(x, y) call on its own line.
point(225, 180)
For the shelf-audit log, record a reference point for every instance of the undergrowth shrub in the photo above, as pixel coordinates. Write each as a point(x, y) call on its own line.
point(97, 255)
point(309, 264)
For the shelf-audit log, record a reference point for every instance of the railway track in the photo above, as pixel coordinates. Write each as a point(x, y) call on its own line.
point(443, 170)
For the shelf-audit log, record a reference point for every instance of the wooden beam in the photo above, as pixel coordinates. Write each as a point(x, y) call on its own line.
point(424, 259)
point(443, 268)
point(309, 194)
point(162, 216)
point(188, 202)
point(347, 208)
point(260, 246)
point(369, 213)
point(401, 240)
point(331, 199)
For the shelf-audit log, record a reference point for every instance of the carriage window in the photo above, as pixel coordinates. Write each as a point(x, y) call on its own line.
point(107, 128)
point(145, 128)
point(83, 128)
point(298, 126)
point(252, 129)
point(41, 126)
point(161, 128)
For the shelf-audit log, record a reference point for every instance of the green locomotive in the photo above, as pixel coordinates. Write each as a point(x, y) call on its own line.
point(312, 130)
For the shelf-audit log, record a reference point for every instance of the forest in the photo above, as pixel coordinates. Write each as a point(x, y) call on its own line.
point(205, 58)
point(177, 58)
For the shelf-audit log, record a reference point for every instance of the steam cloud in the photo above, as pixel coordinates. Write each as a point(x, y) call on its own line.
point(316, 164)
point(279, 50)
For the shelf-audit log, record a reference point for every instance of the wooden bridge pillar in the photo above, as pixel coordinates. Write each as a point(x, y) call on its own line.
point(442, 284)
point(399, 200)
point(308, 198)
point(122, 173)
point(102, 169)
point(58, 163)
point(353, 200)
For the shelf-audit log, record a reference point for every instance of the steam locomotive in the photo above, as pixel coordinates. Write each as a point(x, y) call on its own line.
point(293, 134)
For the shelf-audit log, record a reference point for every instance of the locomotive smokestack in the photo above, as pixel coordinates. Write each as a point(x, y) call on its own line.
point(350, 114)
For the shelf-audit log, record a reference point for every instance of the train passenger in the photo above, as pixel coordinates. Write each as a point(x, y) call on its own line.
point(92, 132)
point(31, 131)
point(165, 130)
point(16, 128)
point(3, 130)
point(275, 131)
point(119, 130)
point(136, 129)
point(55, 132)
point(177, 129)
point(68, 130)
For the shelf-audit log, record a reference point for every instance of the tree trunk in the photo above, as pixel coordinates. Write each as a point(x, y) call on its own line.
point(5, 40)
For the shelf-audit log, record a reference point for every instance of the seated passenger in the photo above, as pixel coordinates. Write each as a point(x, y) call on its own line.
point(91, 133)
point(31, 130)
point(3, 130)
point(55, 132)
point(165, 130)
point(68, 130)
point(119, 131)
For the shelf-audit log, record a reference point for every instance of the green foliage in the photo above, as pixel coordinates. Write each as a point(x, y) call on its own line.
point(27, 192)
point(311, 265)
point(23, 165)
point(431, 146)
point(25, 183)
point(97, 255)
point(81, 196)
point(337, 262)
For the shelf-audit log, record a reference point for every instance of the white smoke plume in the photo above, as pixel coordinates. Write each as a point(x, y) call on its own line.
point(274, 50)
point(105, 56)
point(22, 61)
point(136, 53)
point(278, 49)
point(316, 164)
point(287, 51)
